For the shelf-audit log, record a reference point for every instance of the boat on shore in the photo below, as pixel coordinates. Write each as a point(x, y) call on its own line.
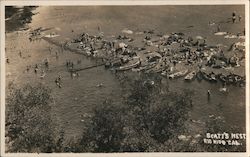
point(144, 67)
point(222, 78)
point(113, 63)
point(231, 79)
point(234, 79)
point(178, 74)
point(156, 69)
point(51, 35)
point(131, 64)
point(190, 76)
point(211, 77)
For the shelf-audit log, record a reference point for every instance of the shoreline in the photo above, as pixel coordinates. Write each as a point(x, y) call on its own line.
point(100, 52)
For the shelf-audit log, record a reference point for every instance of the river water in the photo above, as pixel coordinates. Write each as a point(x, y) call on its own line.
point(78, 97)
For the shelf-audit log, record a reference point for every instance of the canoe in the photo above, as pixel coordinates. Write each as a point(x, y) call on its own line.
point(145, 67)
point(156, 69)
point(213, 77)
point(222, 78)
point(234, 78)
point(209, 77)
point(51, 35)
point(178, 74)
point(131, 64)
point(190, 76)
point(150, 66)
point(116, 62)
point(220, 33)
point(237, 78)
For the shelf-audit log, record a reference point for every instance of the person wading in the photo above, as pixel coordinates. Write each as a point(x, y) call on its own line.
point(234, 17)
point(208, 94)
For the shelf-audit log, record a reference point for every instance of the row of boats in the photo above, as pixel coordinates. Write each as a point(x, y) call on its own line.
point(153, 67)
point(211, 77)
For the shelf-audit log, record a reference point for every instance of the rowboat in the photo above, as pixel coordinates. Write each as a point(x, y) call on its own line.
point(178, 74)
point(51, 35)
point(145, 67)
point(230, 79)
point(131, 64)
point(222, 78)
point(220, 33)
point(156, 69)
point(209, 77)
point(237, 78)
point(190, 76)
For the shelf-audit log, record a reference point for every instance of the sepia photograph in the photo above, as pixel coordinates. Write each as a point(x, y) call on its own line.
point(125, 78)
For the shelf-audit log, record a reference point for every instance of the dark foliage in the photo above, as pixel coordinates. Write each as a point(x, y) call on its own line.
point(19, 17)
point(148, 118)
point(29, 126)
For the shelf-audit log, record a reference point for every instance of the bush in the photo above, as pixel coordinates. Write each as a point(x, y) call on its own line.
point(149, 117)
point(105, 132)
point(29, 126)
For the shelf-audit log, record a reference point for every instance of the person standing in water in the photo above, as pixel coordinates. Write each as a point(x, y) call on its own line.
point(208, 94)
point(239, 17)
point(36, 69)
point(7, 60)
point(218, 28)
point(20, 54)
point(234, 17)
point(50, 50)
point(46, 62)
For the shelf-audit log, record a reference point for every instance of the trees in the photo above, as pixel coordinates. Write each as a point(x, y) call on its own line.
point(18, 17)
point(149, 116)
point(29, 126)
point(105, 132)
